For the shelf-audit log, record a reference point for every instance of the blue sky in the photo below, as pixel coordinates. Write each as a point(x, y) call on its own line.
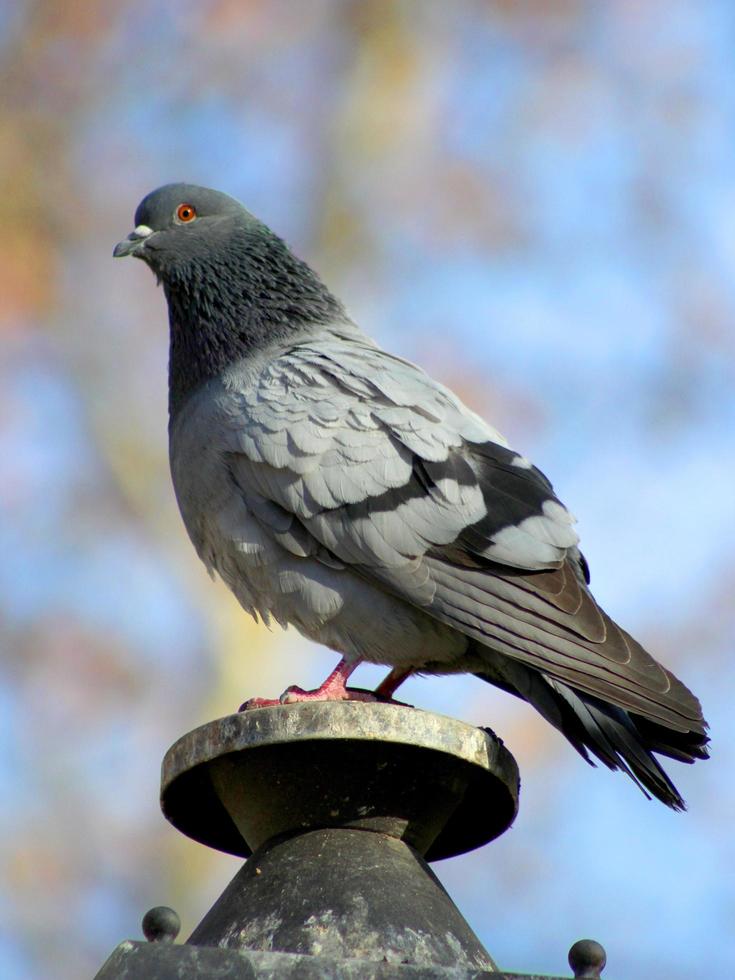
point(537, 205)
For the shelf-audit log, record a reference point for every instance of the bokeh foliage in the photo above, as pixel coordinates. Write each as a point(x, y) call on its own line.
point(533, 199)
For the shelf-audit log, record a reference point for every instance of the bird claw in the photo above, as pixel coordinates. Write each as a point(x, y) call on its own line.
point(259, 703)
point(334, 689)
point(297, 695)
point(294, 695)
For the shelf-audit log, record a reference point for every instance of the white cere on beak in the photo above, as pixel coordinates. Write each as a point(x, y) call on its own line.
point(142, 231)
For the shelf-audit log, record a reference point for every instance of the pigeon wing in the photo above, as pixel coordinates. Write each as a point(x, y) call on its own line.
point(382, 464)
point(356, 457)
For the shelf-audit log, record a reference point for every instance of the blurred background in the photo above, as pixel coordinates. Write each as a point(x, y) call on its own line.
point(536, 201)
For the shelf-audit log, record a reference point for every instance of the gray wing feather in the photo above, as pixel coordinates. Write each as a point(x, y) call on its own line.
point(381, 416)
point(358, 458)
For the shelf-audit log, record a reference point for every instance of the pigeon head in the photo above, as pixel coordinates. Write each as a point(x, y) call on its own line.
point(233, 287)
point(179, 222)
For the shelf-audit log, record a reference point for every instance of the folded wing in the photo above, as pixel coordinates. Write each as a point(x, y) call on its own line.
point(355, 457)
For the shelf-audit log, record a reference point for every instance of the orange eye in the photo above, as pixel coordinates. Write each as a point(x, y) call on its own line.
point(186, 212)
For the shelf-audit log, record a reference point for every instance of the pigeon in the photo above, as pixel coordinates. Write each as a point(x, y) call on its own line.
point(339, 489)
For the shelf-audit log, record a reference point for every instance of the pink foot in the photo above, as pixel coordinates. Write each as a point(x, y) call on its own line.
point(294, 695)
point(334, 689)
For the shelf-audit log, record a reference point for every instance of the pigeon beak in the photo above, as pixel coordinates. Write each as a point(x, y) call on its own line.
point(132, 244)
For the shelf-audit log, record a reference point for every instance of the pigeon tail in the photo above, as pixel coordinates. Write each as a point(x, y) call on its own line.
point(616, 737)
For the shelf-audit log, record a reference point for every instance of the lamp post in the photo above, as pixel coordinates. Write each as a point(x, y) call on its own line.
point(337, 807)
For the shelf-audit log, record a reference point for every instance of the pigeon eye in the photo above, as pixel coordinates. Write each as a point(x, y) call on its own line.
point(186, 212)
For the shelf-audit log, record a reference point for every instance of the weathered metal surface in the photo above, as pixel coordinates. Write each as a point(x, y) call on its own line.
point(339, 801)
point(161, 924)
point(344, 894)
point(443, 786)
point(587, 959)
point(156, 961)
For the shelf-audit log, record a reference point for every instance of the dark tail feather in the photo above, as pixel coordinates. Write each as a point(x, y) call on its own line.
point(682, 746)
point(619, 739)
point(611, 734)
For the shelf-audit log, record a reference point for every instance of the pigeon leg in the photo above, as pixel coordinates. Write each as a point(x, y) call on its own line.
point(390, 684)
point(333, 689)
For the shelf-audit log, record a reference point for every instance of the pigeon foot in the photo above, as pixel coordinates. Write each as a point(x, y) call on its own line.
point(334, 688)
point(294, 695)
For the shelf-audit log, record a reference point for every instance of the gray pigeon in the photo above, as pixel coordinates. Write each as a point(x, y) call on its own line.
point(340, 489)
